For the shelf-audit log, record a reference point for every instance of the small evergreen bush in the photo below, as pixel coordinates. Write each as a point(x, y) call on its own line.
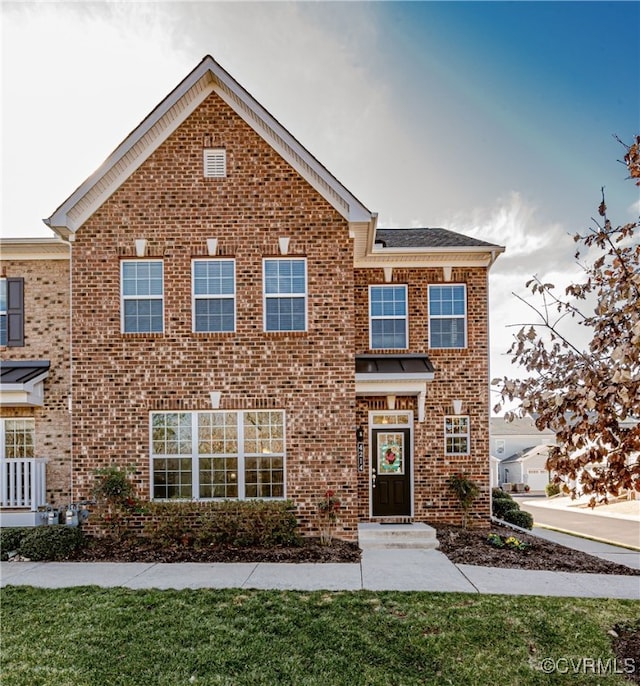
point(10, 539)
point(552, 489)
point(519, 517)
point(506, 508)
point(50, 542)
point(501, 506)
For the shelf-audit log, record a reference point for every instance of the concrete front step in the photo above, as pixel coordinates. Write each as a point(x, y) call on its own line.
point(414, 535)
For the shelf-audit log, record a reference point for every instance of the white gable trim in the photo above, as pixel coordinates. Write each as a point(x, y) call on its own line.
point(206, 78)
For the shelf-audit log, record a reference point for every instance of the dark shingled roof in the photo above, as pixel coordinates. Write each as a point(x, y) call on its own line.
point(428, 238)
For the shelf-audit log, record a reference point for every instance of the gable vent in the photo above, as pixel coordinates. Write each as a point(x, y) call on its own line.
point(215, 163)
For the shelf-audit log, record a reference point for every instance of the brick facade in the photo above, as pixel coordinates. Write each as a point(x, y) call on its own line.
point(46, 337)
point(459, 374)
point(120, 379)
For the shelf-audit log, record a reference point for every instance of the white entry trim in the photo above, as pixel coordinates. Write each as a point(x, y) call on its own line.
point(372, 455)
point(394, 387)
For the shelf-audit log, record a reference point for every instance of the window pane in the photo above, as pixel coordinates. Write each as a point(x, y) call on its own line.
point(3, 295)
point(19, 438)
point(143, 316)
point(171, 433)
point(213, 277)
point(213, 315)
point(388, 333)
point(263, 432)
point(285, 314)
point(219, 477)
point(388, 301)
point(264, 477)
point(217, 433)
point(284, 276)
point(172, 478)
point(447, 333)
point(142, 278)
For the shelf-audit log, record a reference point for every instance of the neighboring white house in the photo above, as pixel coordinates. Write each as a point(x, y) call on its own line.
point(516, 444)
point(527, 467)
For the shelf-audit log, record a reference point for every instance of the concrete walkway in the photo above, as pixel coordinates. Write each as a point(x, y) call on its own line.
point(379, 570)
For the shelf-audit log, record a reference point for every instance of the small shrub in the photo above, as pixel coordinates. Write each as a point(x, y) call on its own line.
point(519, 517)
point(552, 489)
point(51, 542)
point(499, 494)
point(241, 523)
point(113, 484)
point(10, 539)
point(501, 506)
point(466, 491)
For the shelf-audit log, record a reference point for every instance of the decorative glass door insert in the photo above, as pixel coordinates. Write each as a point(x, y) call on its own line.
point(391, 452)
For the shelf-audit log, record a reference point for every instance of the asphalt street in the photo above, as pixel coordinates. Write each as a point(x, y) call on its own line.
point(620, 531)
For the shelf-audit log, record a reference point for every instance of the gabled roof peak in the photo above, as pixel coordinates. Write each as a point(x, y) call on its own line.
point(206, 78)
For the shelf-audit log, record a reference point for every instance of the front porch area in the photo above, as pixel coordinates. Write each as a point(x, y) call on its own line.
point(23, 491)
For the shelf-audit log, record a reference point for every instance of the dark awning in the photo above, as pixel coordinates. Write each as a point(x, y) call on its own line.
point(394, 366)
point(21, 382)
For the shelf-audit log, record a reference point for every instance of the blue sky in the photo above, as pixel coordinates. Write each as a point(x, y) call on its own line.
point(493, 119)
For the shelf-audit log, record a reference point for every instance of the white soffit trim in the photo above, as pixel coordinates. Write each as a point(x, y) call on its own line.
point(28, 394)
point(34, 249)
point(394, 387)
point(206, 78)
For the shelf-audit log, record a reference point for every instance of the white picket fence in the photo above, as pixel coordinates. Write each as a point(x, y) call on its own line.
point(23, 483)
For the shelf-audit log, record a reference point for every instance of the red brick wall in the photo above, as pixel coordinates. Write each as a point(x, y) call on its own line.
point(46, 337)
point(119, 378)
point(462, 374)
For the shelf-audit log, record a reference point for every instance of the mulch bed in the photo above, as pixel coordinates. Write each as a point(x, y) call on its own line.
point(471, 547)
point(459, 545)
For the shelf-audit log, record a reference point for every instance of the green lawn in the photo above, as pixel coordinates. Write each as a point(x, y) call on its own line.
point(82, 636)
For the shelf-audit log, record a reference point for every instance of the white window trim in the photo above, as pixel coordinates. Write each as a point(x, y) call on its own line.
point(225, 296)
point(3, 432)
point(270, 296)
point(124, 298)
point(380, 317)
point(194, 456)
point(464, 316)
point(466, 435)
point(214, 163)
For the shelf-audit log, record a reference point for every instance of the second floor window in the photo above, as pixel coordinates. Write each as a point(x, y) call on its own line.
point(448, 316)
point(214, 296)
point(142, 296)
point(285, 294)
point(388, 317)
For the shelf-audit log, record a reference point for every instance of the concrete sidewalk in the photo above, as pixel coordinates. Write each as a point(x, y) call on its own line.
point(379, 570)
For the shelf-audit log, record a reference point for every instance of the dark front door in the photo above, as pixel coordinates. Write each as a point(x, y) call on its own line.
point(391, 473)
